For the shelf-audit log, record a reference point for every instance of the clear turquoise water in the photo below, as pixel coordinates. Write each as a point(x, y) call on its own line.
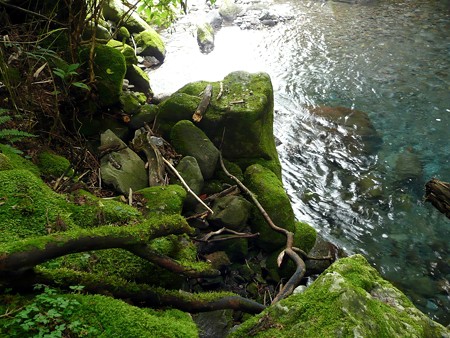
point(390, 59)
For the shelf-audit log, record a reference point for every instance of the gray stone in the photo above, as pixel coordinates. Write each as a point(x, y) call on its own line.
point(192, 175)
point(231, 212)
point(229, 10)
point(122, 169)
point(205, 37)
point(189, 140)
point(214, 324)
point(408, 166)
point(139, 79)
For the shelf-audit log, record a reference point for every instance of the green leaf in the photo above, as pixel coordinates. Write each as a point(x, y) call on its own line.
point(81, 85)
point(109, 71)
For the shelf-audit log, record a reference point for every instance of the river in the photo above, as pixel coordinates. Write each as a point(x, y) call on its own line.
point(389, 59)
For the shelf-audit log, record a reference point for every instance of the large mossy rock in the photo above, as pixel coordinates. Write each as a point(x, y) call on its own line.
point(231, 212)
point(189, 169)
point(139, 79)
point(189, 140)
point(126, 50)
point(164, 200)
point(269, 191)
point(350, 299)
point(240, 121)
point(149, 43)
point(109, 68)
point(116, 11)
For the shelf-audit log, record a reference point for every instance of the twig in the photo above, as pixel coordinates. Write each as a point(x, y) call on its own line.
point(130, 197)
point(233, 190)
point(207, 238)
point(237, 101)
point(220, 91)
point(31, 12)
point(204, 103)
point(201, 215)
point(186, 186)
point(305, 255)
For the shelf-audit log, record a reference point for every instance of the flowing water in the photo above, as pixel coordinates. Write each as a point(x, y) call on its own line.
point(390, 59)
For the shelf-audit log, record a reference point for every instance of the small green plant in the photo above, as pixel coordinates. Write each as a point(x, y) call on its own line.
point(48, 315)
point(10, 135)
point(67, 75)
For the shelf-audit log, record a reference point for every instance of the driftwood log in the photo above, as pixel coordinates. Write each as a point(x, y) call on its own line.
point(438, 193)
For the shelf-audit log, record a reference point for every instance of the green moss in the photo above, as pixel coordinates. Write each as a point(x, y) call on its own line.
point(304, 236)
point(129, 321)
point(349, 299)
point(130, 103)
point(150, 43)
point(123, 33)
point(126, 50)
point(29, 207)
point(15, 161)
point(110, 68)
point(163, 200)
point(269, 191)
point(88, 210)
point(54, 165)
point(233, 169)
point(5, 163)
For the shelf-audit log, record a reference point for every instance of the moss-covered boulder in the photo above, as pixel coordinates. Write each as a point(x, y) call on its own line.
point(51, 164)
point(131, 102)
point(109, 69)
point(205, 37)
point(189, 140)
point(164, 200)
point(269, 191)
point(304, 236)
point(126, 50)
point(231, 212)
point(149, 43)
point(240, 121)
point(350, 299)
point(139, 79)
point(189, 169)
point(146, 114)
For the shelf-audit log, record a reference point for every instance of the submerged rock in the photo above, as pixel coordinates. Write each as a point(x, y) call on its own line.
point(350, 299)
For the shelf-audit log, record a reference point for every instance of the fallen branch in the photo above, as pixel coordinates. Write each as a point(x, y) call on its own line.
point(204, 103)
point(220, 91)
point(141, 294)
point(295, 279)
point(186, 185)
point(233, 190)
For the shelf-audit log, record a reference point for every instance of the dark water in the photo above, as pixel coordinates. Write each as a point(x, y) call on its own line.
point(390, 59)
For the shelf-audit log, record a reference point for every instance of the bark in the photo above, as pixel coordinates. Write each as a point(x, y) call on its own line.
point(204, 103)
point(438, 193)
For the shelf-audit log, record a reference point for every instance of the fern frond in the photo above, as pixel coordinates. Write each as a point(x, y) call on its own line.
point(9, 133)
point(4, 119)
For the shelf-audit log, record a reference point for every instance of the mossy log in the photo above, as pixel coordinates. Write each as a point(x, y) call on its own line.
point(17, 257)
point(142, 295)
point(438, 193)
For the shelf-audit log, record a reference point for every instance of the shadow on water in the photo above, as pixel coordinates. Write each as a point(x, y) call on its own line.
point(363, 116)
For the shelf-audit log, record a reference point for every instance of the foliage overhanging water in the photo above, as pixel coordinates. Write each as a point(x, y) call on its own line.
point(389, 59)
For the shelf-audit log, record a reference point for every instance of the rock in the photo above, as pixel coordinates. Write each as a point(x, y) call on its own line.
point(139, 79)
point(122, 169)
point(219, 260)
point(189, 140)
point(131, 102)
point(214, 324)
point(350, 299)
point(370, 186)
point(163, 200)
point(146, 114)
point(126, 50)
point(123, 34)
point(304, 236)
point(149, 43)
point(269, 190)
point(109, 69)
point(408, 166)
point(205, 37)
point(230, 212)
point(236, 249)
point(192, 175)
point(102, 31)
point(244, 112)
point(214, 19)
point(229, 10)
point(360, 136)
